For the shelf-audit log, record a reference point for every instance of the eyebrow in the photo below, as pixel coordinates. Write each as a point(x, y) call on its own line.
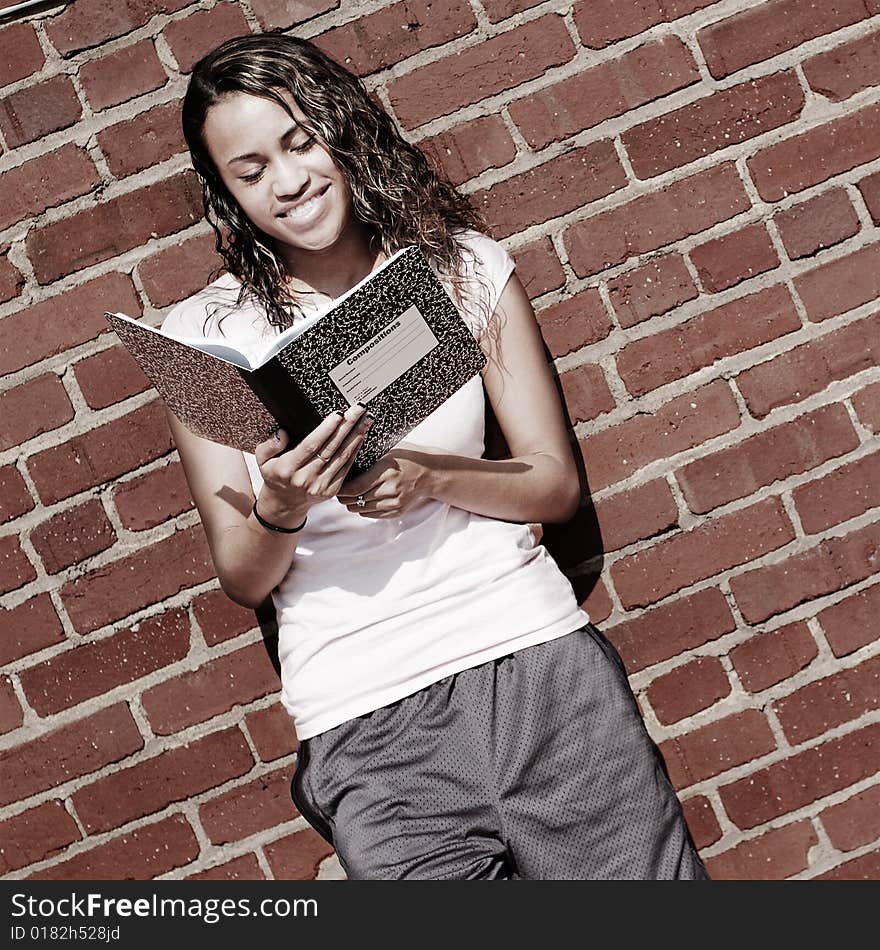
point(250, 156)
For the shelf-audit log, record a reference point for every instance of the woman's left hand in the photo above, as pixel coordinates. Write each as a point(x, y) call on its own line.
point(396, 483)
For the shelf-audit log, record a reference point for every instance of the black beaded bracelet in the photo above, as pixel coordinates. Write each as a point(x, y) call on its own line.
point(275, 527)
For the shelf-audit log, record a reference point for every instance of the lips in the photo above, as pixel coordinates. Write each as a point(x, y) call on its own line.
point(306, 208)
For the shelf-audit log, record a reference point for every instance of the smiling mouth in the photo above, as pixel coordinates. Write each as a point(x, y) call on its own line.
point(303, 210)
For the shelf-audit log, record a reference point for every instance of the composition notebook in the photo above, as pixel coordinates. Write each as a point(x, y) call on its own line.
point(395, 342)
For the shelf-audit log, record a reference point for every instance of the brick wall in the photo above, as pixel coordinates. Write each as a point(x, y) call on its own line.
point(691, 190)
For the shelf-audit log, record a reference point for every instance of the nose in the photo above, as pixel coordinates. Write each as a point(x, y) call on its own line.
point(291, 178)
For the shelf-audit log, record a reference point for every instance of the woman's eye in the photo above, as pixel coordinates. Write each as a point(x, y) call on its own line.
point(254, 176)
point(304, 146)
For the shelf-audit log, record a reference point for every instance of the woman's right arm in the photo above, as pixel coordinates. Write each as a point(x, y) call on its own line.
point(251, 560)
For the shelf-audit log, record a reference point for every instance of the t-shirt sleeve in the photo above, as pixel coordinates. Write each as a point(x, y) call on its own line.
point(492, 265)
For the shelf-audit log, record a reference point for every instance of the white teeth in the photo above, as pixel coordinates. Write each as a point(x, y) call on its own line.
point(302, 210)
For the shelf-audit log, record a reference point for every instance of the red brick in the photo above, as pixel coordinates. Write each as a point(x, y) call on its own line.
point(220, 619)
point(122, 75)
point(870, 189)
point(392, 34)
point(654, 220)
point(36, 406)
point(44, 182)
point(245, 868)
point(234, 679)
point(298, 856)
point(11, 713)
point(145, 140)
point(95, 668)
point(199, 33)
point(770, 658)
point(728, 260)
point(841, 285)
point(717, 747)
point(772, 28)
point(865, 868)
point(64, 321)
point(69, 752)
point(769, 456)
point(179, 270)
point(250, 808)
point(466, 150)
point(592, 595)
point(141, 855)
point(585, 393)
point(11, 278)
point(635, 514)
point(672, 628)
point(29, 627)
point(73, 535)
point(809, 368)
point(715, 122)
point(474, 74)
point(740, 325)
point(773, 856)
point(844, 493)
point(115, 226)
point(92, 22)
point(153, 498)
point(498, 10)
point(20, 53)
point(34, 835)
point(172, 776)
point(815, 156)
point(109, 377)
point(102, 454)
point(558, 186)
point(729, 540)
point(681, 423)
point(539, 268)
point(15, 499)
point(36, 111)
point(120, 588)
point(866, 403)
point(829, 702)
point(280, 14)
point(574, 322)
point(846, 69)
point(688, 689)
point(15, 568)
point(851, 623)
point(818, 223)
point(855, 822)
point(654, 288)
point(610, 89)
point(701, 821)
point(601, 22)
point(272, 732)
point(802, 778)
point(828, 566)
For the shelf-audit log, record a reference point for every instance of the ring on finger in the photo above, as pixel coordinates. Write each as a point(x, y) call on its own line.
point(361, 501)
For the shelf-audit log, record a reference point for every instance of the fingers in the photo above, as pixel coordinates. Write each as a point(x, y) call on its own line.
point(273, 446)
point(331, 435)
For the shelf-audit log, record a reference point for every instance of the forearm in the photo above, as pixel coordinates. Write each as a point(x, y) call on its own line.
point(251, 560)
point(536, 488)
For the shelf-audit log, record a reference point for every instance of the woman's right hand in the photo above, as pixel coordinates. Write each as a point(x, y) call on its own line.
point(312, 471)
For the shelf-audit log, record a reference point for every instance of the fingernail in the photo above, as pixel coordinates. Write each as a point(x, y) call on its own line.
point(340, 413)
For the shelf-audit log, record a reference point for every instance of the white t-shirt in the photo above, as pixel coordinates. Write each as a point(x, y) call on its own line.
point(375, 609)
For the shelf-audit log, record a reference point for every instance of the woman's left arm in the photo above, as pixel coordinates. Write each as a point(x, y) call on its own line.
point(538, 484)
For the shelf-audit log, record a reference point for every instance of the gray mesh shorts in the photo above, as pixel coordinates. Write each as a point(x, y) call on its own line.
point(534, 766)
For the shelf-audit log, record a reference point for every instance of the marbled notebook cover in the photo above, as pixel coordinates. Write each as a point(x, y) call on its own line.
point(217, 400)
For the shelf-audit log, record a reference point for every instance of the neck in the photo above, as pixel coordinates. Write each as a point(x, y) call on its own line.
point(336, 269)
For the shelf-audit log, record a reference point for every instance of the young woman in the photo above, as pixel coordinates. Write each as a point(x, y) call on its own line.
point(458, 715)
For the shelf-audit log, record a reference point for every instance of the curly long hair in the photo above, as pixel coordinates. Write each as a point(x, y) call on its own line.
point(395, 189)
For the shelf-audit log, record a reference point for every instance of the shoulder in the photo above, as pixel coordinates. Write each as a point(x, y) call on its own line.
point(488, 266)
point(198, 315)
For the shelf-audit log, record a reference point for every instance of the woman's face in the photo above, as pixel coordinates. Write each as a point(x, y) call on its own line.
point(283, 178)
